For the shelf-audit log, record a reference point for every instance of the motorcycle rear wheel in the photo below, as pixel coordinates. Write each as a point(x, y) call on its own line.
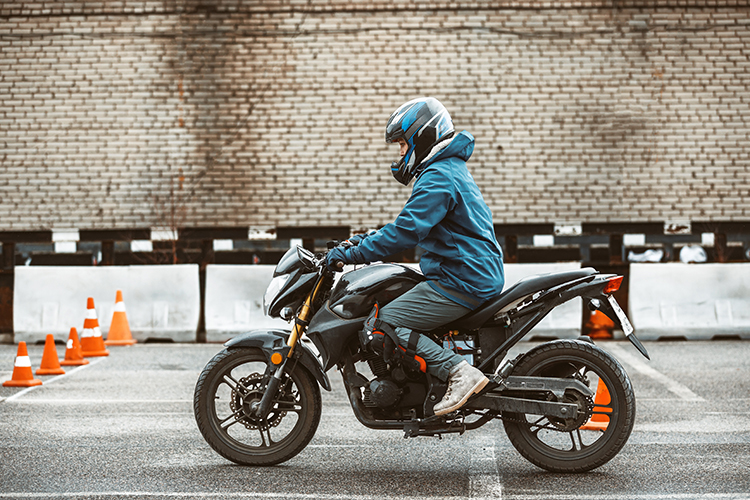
point(229, 384)
point(575, 445)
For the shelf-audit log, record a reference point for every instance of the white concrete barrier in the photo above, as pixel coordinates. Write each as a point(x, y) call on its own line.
point(161, 301)
point(234, 300)
point(696, 301)
point(565, 320)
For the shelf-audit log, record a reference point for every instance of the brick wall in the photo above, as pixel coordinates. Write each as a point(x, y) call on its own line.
point(271, 113)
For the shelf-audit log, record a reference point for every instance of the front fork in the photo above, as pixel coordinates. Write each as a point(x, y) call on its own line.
point(262, 407)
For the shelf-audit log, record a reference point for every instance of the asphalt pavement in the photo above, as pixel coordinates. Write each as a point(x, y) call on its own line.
point(123, 427)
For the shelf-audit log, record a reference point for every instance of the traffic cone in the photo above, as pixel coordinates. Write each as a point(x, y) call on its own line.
point(600, 326)
point(92, 344)
point(599, 421)
point(22, 376)
point(73, 356)
point(119, 329)
point(50, 362)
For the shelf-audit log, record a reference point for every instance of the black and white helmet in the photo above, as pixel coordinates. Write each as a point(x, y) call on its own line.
point(422, 123)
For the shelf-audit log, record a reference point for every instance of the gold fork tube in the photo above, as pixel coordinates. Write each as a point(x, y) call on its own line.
point(304, 316)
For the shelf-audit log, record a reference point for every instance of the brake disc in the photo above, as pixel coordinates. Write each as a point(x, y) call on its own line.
point(239, 401)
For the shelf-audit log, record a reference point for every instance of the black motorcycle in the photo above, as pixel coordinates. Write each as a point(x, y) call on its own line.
point(566, 405)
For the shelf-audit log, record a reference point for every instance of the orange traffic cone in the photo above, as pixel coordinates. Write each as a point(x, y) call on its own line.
point(92, 343)
point(599, 421)
point(600, 326)
point(73, 356)
point(119, 329)
point(22, 376)
point(50, 362)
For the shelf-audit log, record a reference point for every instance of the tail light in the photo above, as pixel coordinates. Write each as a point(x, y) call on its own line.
point(613, 284)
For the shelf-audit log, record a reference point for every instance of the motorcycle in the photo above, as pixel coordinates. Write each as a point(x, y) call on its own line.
point(566, 405)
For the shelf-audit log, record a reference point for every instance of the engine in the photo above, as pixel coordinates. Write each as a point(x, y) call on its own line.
point(383, 393)
point(377, 364)
point(392, 386)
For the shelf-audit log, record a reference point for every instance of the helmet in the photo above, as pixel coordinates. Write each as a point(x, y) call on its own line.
point(422, 123)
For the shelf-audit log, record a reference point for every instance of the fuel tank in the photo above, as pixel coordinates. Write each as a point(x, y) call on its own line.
point(350, 303)
point(357, 291)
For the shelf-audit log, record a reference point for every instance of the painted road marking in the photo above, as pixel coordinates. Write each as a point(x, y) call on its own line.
point(484, 481)
point(308, 496)
point(205, 494)
point(640, 366)
point(103, 401)
point(53, 379)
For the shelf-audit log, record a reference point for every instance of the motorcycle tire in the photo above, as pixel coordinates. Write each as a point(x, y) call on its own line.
point(224, 393)
point(572, 445)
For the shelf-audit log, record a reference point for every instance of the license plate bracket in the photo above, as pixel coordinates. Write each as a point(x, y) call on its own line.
point(627, 327)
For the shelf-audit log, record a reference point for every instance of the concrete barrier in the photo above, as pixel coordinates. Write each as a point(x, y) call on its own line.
point(234, 300)
point(161, 301)
point(564, 321)
point(695, 301)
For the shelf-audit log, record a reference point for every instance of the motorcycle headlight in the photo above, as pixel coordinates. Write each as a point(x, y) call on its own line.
point(272, 292)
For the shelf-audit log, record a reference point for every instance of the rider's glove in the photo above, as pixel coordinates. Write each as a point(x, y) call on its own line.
point(347, 255)
point(357, 238)
point(335, 257)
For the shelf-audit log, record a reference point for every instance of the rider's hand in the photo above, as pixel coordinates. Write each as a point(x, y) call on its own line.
point(336, 258)
point(357, 238)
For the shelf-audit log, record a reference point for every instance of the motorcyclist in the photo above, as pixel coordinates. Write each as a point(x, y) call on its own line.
point(447, 217)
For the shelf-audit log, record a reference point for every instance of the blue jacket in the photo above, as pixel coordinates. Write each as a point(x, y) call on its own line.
point(448, 218)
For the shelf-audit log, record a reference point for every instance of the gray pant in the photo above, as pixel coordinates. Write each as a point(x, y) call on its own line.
point(423, 309)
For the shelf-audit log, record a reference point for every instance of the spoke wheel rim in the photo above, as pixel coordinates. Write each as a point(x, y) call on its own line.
point(548, 436)
point(232, 396)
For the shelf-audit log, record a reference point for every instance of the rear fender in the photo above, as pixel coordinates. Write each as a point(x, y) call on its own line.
point(593, 294)
point(271, 341)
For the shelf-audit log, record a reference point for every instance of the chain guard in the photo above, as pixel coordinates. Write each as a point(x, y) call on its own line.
point(559, 424)
point(239, 401)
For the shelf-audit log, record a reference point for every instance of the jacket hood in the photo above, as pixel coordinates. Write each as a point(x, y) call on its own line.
point(461, 147)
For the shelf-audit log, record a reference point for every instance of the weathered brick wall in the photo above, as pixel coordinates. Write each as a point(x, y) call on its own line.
point(271, 113)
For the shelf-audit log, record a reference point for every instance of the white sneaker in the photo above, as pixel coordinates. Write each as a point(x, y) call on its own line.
point(463, 381)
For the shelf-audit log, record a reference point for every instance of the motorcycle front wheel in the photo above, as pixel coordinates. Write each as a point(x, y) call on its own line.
point(603, 423)
point(224, 394)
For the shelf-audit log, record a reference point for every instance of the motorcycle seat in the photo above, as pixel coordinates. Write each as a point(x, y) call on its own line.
point(515, 294)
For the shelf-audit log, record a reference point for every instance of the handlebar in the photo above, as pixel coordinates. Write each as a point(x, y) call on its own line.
point(331, 244)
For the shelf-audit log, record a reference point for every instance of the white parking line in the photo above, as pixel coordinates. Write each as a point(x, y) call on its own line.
point(47, 382)
point(313, 496)
point(102, 401)
point(640, 366)
point(484, 482)
point(340, 446)
point(290, 495)
point(205, 494)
